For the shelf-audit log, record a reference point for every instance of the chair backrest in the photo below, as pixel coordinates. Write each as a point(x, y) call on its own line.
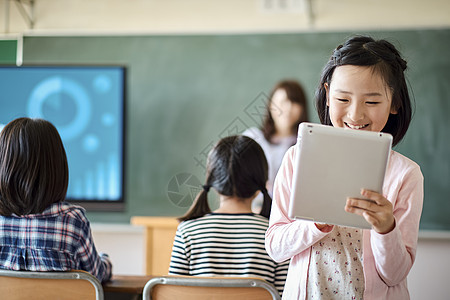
point(70, 285)
point(199, 288)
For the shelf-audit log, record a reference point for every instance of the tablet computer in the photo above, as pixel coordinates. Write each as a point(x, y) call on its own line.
point(332, 164)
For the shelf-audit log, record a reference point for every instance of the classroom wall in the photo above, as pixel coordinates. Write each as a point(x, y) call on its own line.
point(429, 276)
point(181, 16)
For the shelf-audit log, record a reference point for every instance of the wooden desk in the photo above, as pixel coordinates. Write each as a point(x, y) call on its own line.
point(125, 286)
point(158, 240)
point(131, 284)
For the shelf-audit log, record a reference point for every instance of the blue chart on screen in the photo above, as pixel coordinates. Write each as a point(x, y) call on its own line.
point(52, 87)
point(86, 106)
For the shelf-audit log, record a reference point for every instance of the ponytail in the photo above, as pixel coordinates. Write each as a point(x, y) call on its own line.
point(236, 167)
point(200, 207)
point(267, 204)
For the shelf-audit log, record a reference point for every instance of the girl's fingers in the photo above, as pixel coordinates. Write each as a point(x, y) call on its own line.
point(377, 211)
point(324, 227)
point(362, 204)
point(376, 202)
point(374, 196)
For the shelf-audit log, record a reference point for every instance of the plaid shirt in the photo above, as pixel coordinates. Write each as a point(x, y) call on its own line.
point(58, 239)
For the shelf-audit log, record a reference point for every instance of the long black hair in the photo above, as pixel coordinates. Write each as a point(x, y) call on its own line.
point(385, 60)
point(236, 167)
point(295, 94)
point(33, 167)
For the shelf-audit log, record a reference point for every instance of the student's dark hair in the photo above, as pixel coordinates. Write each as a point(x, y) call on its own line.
point(236, 166)
point(295, 94)
point(385, 60)
point(33, 167)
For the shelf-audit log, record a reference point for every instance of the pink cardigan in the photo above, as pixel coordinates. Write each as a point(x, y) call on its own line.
point(387, 258)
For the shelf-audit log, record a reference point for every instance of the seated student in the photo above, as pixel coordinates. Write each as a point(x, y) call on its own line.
point(38, 230)
point(230, 240)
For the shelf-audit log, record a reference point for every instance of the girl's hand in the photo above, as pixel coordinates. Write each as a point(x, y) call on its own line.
point(324, 227)
point(378, 212)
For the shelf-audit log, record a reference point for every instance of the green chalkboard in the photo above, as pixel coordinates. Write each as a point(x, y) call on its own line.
point(185, 92)
point(8, 51)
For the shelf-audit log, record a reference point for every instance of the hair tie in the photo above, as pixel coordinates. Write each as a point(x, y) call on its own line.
point(336, 57)
point(206, 187)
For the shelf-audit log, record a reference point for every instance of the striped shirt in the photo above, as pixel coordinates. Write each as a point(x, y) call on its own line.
point(225, 245)
point(58, 239)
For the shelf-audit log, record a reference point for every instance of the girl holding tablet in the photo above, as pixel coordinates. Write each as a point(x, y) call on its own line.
point(362, 87)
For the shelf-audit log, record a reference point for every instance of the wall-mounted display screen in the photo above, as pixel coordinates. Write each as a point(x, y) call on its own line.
point(87, 106)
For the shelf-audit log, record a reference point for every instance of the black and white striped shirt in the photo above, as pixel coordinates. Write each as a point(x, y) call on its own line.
point(225, 245)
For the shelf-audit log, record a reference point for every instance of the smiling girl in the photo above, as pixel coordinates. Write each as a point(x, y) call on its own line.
point(362, 87)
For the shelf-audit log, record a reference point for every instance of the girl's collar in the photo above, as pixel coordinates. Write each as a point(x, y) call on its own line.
point(233, 214)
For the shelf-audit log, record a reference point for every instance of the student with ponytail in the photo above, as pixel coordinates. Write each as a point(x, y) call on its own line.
point(230, 240)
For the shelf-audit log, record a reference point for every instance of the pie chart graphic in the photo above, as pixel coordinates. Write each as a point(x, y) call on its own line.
point(49, 98)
